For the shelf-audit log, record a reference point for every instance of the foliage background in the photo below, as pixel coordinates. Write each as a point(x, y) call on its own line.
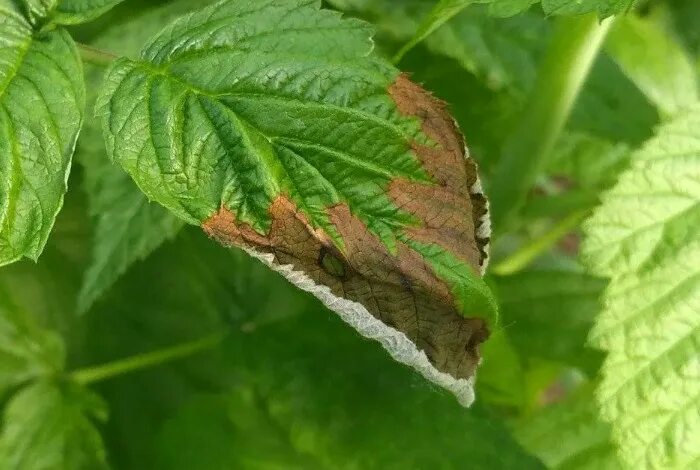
point(291, 386)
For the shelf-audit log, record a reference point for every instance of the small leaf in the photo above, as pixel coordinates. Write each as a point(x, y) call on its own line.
point(654, 60)
point(443, 11)
point(274, 127)
point(604, 8)
point(42, 97)
point(48, 426)
point(645, 238)
point(66, 12)
point(506, 8)
point(589, 162)
point(549, 314)
point(27, 351)
point(129, 228)
point(569, 435)
point(81, 11)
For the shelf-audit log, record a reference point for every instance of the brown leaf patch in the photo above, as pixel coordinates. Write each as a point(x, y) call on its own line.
point(447, 162)
point(401, 290)
point(446, 218)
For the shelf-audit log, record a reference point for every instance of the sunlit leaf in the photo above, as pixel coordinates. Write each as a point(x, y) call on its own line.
point(645, 238)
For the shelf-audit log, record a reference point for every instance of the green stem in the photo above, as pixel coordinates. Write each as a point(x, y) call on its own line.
point(143, 361)
point(527, 253)
point(95, 56)
point(574, 46)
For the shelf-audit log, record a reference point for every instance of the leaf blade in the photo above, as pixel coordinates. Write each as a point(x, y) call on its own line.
point(642, 238)
point(42, 98)
point(329, 187)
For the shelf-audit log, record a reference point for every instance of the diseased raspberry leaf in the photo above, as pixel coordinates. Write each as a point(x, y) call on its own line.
point(273, 126)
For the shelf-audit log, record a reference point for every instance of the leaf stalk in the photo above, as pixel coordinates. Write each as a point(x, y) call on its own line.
point(574, 46)
point(94, 56)
point(142, 361)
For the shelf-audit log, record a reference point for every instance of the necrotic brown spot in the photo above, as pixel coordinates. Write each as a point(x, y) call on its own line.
point(401, 289)
point(446, 161)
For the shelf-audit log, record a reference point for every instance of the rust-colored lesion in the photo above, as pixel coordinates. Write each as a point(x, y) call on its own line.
point(446, 161)
point(399, 288)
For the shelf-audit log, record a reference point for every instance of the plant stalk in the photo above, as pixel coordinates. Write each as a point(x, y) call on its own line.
point(96, 56)
point(527, 253)
point(142, 361)
point(574, 46)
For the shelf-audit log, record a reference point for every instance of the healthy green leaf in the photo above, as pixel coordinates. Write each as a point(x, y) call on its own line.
point(47, 290)
point(607, 95)
point(42, 98)
point(501, 375)
point(273, 126)
point(443, 11)
point(80, 11)
point(549, 314)
point(506, 8)
point(645, 238)
point(48, 426)
point(345, 417)
point(654, 60)
point(128, 229)
point(685, 18)
point(587, 161)
point(27, 351)
point(569, 435)
point(604, 8)
point(186, 290)
point(66, 12)
point(502, 52)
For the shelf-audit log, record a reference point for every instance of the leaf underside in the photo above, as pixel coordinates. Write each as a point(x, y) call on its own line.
point(273, 126)
point(645, 237)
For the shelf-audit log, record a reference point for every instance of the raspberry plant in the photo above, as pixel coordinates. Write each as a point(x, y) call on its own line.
point(255, 188)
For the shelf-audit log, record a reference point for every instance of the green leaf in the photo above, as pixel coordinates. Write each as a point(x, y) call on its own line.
point(502, 52)
point(501, 376)
point(289, 392)
point(48, 426)
point(645, 238)
point(549, 314)
point(66, 12)
point(685, 18)
point(607, 95)
point(274, 127)
point(604, 8)
point(128, 229)
point(80, 11)
point(506, 8)
point(184, 291)
point(27, 351)
point(654, 60)
point(47, 290)
point(443, 11)
point(569, 435)
point(589, 162)
point(42, 97)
